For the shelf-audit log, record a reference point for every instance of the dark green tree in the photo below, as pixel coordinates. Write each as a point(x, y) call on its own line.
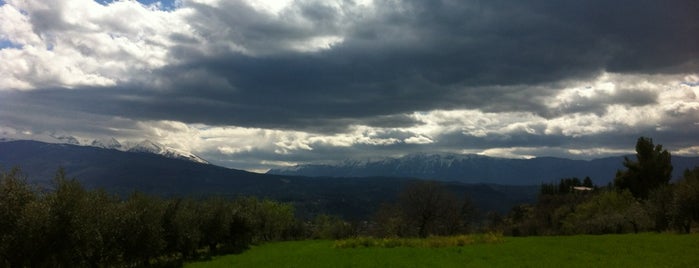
point(181, 224)
point(268, 219)
point(430, 209)
point(660, 205)
point(469, 213)
point(685, 207)
point(566, 185)
point(68, 224)
point(100, 245)
point(608, 212)
point(16, 197)
point(140, 229)
point(651, 169)
point(390, 221)
point(331, 227)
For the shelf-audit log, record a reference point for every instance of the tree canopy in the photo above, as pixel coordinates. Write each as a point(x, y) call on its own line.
point(651, 169)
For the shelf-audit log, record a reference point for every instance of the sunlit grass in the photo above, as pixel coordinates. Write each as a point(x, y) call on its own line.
point(630, 250)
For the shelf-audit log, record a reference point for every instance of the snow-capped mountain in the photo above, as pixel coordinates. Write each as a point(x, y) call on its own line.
point(148, 146)
point(110, 143)
point(421, 165)
point(65, 139)
point(472, 168)
point(145, 146)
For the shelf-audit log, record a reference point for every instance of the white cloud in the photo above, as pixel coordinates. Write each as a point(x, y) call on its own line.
point(82, 43)
point(418, 140)
point(234, 150)
point(16, 27)
point(515, 153)
point(271, 6)
point(316, 44)
point(73, 43)
point(687, 151)
point(590, 153)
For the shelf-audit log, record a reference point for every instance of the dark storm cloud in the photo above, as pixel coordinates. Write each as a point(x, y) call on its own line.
point(400, 58)
point(422, 55)
point(48, 111)
point(237, 21)
point(598, 103)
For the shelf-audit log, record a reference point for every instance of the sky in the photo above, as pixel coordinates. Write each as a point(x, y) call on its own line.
point(262, 84)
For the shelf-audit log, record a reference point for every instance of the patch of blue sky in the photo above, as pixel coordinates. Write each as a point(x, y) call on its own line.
point(161, 4)
point(4, 43)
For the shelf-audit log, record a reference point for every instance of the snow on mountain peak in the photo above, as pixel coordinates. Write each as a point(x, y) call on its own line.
point(147, 146)
point(65, 139)
point(110, 143)
point(179, 154)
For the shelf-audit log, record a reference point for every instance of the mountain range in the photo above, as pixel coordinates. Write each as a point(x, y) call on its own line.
point(123, 172)
point(470, 168)
point(144, 146)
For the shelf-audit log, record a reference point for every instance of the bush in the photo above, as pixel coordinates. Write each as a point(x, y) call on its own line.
point(331, 227)
point(428, 242)
point(608, 212)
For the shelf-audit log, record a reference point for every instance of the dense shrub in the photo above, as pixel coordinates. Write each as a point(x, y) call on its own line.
point(427, 242)
point(684, 209)
point(331, 227)
point(608, 212)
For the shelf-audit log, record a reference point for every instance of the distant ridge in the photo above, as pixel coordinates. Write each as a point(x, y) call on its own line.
point(470, 168)
point(144, 146)
point(124, 172)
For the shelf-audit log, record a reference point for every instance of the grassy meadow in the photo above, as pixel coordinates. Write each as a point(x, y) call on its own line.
point(629, 250)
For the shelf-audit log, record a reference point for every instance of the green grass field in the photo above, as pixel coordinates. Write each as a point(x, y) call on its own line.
point(631, 250)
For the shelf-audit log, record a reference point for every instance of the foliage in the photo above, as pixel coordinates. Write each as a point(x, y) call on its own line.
point(660, 206)
point(268, 219)
point(16, 208)
point(428, 242)
point(331, 227)
point(547, 215)
point(651, 169)
point(423, 208)
point(469, 214)
point(69, 226)
point(429, 209)
point(642, 200)
point(608, 212)
point(685, 206)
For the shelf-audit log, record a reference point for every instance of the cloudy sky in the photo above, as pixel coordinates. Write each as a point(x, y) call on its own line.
point(258, 84)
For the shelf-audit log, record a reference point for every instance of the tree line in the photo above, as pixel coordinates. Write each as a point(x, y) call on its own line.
point(641, 198)
point(69, 226)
